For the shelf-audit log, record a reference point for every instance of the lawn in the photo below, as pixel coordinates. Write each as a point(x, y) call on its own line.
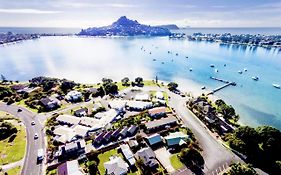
point(14, 151)
point(175, 161)
point(104, 157)
point(14, 171)
point(22, 103)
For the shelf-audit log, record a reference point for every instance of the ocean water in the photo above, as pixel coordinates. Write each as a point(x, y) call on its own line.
point(88, 60)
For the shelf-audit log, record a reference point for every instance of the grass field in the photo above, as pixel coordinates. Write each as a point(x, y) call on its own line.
point(13, 151)
point(176, 163)
point(14, 171)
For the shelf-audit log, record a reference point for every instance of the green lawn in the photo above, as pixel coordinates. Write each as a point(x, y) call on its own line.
point(104, 157)
point(14, 171)
point(21, 103)
point(175, 161)
point(14, 151)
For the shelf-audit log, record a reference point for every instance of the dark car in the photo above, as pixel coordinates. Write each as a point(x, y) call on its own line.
point(19, 110)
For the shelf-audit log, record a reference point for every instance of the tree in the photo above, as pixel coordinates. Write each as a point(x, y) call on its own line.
point(219, 102)
point(92, 167)
point(125, 81)
point(239, 168)
point(67, 85)
point(6, 130)
point(172, 86)
point(191, 157)
point(139, 80)
point(106, 81)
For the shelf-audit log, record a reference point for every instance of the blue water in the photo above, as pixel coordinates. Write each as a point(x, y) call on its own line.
point(87, 60)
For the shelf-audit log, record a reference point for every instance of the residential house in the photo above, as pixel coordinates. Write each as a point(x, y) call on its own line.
point(128, 154)
point(81, 112)
point(124, 132)
point(68, 119)
point(159, 124)
point(138, 105)
point(73, 96)
point(176, 139)
point(116, 133)
point(148, 157)
point(50, 103)
point(142, 97)
point(100, 137)
point(81, 131)
point(159, 95)
point(154, 139)
point(132, 130)
point(157, 112)
point(133, 144)
point(64, 134)
point(69, 168)
point(107, 136)
point(116, 166)
point(73, 148)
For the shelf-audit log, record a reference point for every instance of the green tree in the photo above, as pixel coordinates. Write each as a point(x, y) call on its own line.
point(125, 81)
point(139, 80)
point(92, 167)
point(172, 86)
point(191, 157)
point(241, 169)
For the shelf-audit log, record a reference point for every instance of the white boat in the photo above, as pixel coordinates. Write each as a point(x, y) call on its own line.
point(245, 69)
point(256, 78)
point(212, 65)
point(240, 72)
point(216, 70)
point(190, 69)
point(276, 86)
point(203, 87)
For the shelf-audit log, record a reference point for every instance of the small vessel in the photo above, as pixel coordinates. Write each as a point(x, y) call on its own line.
point(203, 87)
point(190, 69)
point(224, 65)
point(177, 54)
point(276, 86)
point(154, 59)
point(216, 70)
point(212, 65)
point(186, 57)
point(149, 52)
point(256, 78)
point(245, 69)
point(169, 52)
point(162, 62)
point(240, 72)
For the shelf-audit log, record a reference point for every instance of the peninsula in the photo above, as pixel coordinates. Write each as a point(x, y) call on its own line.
point(125, 27)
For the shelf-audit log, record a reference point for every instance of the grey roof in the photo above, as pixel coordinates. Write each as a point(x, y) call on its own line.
point(132, 129)
point(161, 122)
point(148, 156)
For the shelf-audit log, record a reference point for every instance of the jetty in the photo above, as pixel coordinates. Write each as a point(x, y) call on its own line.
point(227, 83)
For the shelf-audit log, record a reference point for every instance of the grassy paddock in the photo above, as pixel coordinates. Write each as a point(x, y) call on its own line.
point(175, 161)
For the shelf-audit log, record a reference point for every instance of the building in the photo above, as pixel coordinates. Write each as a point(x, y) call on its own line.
point(107, 136)
point(132, 130)
point(115, 134)
point(128, 154)
point(148, 157)
point(69, 168)
point(81, 112)
point(50, 103)
point(138, 105)
point(68, 119)
point(154, 139)
point(73, 96)
point(176, 139)
point(73, 149)
point(159, 95)
point(116, 166)
point(118, 104)
point(81, 131)
point(142, 97)
point(64, 134)
point(124, 132)
point(157, 112)
point(159, 124)
point(100, 137)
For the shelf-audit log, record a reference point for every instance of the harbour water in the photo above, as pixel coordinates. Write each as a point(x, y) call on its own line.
point(88, 60)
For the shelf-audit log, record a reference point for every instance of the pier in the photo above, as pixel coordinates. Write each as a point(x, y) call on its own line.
point(228, 83)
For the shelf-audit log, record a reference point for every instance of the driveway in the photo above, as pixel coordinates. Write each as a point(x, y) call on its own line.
point(163, 155)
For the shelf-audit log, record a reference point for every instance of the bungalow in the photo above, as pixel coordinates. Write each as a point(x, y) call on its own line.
point(116, 166)
point(115, 133)
point(28, 90)
point(205, 107)
point(138, 105)
point(73, 96)
point(81, 112)
point(118, 105)
point(128, 154)
point(90, 122)
point(100, 137)
point(81, 131)
point(107, 136)
point(157, 112)
point(176, 139)
point(132, 130)
point(147, 156)
point(154, 139)
point(133, 144)
point(50, 103)
point(73, 148)
point(124, 132)
point(68, 119)
point(160, 124)
point(64, 134)
point(142, 97)
point(69, 168)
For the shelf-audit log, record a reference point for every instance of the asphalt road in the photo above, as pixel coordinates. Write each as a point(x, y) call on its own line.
point(30, 166)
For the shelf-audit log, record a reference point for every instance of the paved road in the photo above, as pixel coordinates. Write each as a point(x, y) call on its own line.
point(214, 153)
point(30, 166)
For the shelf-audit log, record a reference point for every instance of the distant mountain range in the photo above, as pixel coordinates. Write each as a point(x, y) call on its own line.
point(169, 26)
point(126, 27)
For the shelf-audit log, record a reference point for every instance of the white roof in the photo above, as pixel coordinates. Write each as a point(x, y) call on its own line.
point(73, 168)
point(81, 130)
point(68, 119)
point(176, 135)
point(159, 95)
point(142, 97)
point(61, 130)
point(117, 104)
point(116, 166)
point(88, 121)
point(106, 117)
point(139, 104)
point(128, 153)
point(73, 94)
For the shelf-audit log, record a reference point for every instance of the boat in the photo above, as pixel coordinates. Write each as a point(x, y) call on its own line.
point(216, 70)
point(149, 52)
point(162, 62)
point(224, 65)
point(190, 69)
point(154, 59)
point(212, 65)
point(186, 57)
point(177, 54)
point(240, 72)
point(203, 87)
point(245, 69)
point(256, 78)
point(276, 86)
point(169, 52)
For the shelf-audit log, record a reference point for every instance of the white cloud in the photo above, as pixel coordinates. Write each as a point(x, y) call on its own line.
point(28, 11)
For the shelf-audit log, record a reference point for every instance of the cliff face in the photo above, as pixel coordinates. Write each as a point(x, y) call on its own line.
point(125, 27)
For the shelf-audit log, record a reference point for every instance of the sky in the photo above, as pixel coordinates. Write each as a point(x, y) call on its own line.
point(90, 13)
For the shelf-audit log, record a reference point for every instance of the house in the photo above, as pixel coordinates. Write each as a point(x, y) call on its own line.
point(68, 119)
point(115, 134)
point(159, 95)
point(28, 90)
point(64, 134)
point(18, 87)
point(154, 139)
point(124, 132)
point(73, 96)
point(81, 112)
point(89, 121)
point(100, 137)
point(176, 139)
point(107, 136)
point(142, 97)
point(138, 105)
point(156, 125)
point(81, 131)
point(50, 103)
point(205, 107)
point(128, 154)
point(73, 148)
point(148, 157)
point(133, 144)
point(157, 112)
point(132, 130)
point(118, 105)
point(116, 166)
point(69, 168)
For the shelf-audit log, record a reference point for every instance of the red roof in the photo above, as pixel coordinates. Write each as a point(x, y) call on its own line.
point(157, 110)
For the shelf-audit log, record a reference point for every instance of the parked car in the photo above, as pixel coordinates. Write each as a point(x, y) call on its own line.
point(32, 122)
point(35, 136)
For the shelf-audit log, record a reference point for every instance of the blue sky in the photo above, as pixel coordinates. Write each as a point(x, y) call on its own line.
point(194, 13)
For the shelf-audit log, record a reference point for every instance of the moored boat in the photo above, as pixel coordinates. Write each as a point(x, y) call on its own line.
point(276, 86)
point(256, 78)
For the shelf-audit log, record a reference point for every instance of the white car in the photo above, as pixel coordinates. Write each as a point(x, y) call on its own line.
point(35, 136)
point(32, 122)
